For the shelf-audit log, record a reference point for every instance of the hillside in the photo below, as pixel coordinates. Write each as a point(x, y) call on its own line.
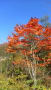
point(3, 52)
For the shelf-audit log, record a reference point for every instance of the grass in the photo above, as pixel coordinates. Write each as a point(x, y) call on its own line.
point(11, 84)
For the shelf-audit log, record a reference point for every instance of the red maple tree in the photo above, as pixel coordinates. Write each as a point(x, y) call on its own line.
point(31, 39)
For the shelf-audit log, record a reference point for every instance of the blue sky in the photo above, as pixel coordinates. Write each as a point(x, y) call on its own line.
point(14, 12)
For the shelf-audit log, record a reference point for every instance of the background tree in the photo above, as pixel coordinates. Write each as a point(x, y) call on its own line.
point(45, 21)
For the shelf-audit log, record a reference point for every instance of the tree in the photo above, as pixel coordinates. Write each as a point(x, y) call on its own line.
point(45, 21)
point(31, 39)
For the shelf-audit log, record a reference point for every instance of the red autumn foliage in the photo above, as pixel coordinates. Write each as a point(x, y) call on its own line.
point(30, 39)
